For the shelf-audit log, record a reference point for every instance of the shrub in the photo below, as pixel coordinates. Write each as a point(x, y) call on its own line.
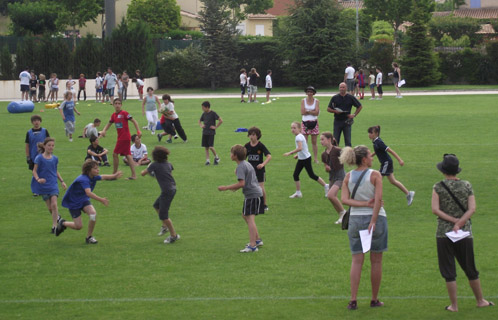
point(381, 55)
point(182, 68)
point(455, 28)
point(6, 64)
point(382, 30)
point(179, 34)
point(465, 66)
point(88, 56)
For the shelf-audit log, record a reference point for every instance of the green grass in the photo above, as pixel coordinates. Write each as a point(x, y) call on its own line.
point(303, 270)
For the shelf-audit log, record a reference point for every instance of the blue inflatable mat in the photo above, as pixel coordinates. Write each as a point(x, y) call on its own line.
point(21, 106)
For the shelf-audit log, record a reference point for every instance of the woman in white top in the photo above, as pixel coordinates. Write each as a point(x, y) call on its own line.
point(367, 213)
point(310, 109)
point(304, 161)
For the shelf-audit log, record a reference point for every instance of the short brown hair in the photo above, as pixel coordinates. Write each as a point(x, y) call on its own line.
point(88, 165)
point(254, 130)
point(239, 151)
point(36, 117)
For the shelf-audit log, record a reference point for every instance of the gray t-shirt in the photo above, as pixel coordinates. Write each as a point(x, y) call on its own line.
point(245, 172)
point(162, 172)
point(111, 80)
point(91, 130)
point(209, 119)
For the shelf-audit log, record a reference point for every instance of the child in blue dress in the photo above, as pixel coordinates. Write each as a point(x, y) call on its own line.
point(386, 163)
point(45, 176)
point(67, 110)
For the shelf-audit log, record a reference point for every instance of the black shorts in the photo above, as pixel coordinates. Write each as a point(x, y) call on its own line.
point(24, 87)
point(207, 140)
point(253, 206)
point(386, 168)
point(463, 251)
point(260, 175)
point(268, 89)
point(163, 202)
point(243, 89)
point(75, 213)
point(379, 89)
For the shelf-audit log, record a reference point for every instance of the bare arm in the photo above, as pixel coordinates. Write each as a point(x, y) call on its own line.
point(135, 123)
point(358, 110)
point(27, 151)
point(93, 196)
point(299, 148)
point(233, 187)
point(113, 176)
point(261, 165)
point(220, 121)
point(376, 179)
point(75, 110)
point(144, 172)
point(143, 105)
point(107, 126)
point(61, 180)
point(391, 151)
point(61, 112)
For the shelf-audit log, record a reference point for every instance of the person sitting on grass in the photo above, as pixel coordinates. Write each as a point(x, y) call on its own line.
point(97, 152)
point(138, 152)
point(77, 199)
point(91, 129)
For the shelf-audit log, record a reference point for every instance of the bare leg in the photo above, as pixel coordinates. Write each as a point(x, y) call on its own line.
point(75, 224)
point(375, 273)
point(207, 154)
point(332, 196)
point(321, 182)
point(90, 210)
point(476, 288)
point(262, 185)
point(355, 273)
point(213, 151)
point(253, 230)
point(169, 225)
point(115, 163)
point(298, 185)
point(452, 292)
point(53, 210)
point(131, 163)
point(396, 183)
point(267, 96)
point(315, 147)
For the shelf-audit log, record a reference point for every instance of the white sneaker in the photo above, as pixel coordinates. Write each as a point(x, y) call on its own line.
point(171, 239)
point(409, 197)
point(70, 139)
point(162, 231)
point(296, 195)
point(249, 249)
point(339, 221)
point(326, 187)
point(372, 99)
point(259, 243)
point(153, 132)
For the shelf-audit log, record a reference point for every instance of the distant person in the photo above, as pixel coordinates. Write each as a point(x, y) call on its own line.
point(268, 85)
point(42, 82)
point(139, 81)
point(341, 106)
point(253, 84)
point(367, 213)
point(453, 202)
point(378, 83)
point(209, 122)
point(170, 121)
point(82, 86)
point(150, 104)
point(310, 109)
point(371, 84)
point(125, 79)
point(33, 85)
point(361, 84)
point(67, 110)
point(396, 79)
point(243, 84)
point(24, 77)
point(110, 80)
point(99, 88)
point(349, 78)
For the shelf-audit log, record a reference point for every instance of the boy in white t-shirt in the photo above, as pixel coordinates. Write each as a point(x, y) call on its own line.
point(268, 85)
point(378, 83)
point(138, 152)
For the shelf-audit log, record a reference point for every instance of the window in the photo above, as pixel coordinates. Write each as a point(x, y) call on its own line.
point(242, 29)
point(475, 3)
point(260, 29)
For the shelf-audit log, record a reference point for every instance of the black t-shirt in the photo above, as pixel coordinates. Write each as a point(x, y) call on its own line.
point(345, 103)
point(162, 172)
point(41, 84)
point(255, 154)
point(253, 80)
point(32, 83)
point(98, 150)
point(209, 119)
point(380, 149)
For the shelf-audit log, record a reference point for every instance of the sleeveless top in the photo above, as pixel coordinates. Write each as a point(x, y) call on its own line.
point(150, 104)
point(365, 192)
point(395, 73)
point(309, 117)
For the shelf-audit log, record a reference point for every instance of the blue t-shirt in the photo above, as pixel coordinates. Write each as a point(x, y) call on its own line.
point(75, 195)
point(68, 110)
point(47, 169)
point(380, 149)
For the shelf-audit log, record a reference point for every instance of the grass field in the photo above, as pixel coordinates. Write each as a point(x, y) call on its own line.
point(302, 272)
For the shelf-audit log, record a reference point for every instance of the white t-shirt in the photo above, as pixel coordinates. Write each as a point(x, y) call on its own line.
point(243, 79)
point(138, 153)
point(304, 153)
point(379, 78)
point(111, 80)
point(91, 130)
point(268, 82)
point(98, 83)
point(350, 73)
point(25, 76)
point(171, 107)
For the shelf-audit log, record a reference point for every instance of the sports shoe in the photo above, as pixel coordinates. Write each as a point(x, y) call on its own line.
point(339, 221)
point(376, 303)
point(409, 197)
point(91, 240)
point(207, 163)
point(153, 132)
point(171, 239)
point(70, 139)
point(259, 243)
point(216, 161)
point(159, 137)
point(107, 164)
point(185, 141)
point(58, 218)
point(249, 249)
point(326, 187)
point(265, 207)
point(296, 195)
point(60, 227)
point(53, 230)
point(169, 141)
point(163, 231)
point(352, 305)
point(371, 99)
point(175, 137)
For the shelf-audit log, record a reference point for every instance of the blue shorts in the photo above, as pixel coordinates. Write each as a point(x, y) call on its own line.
point(110, 92)
point(386, 168)
point(75, 213)
point(99, 90)
point(379, 239)
point(46, 197)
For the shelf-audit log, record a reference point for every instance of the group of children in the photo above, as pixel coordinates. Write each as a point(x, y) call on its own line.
point(249, 83)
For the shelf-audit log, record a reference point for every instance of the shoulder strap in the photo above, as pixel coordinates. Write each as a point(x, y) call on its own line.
point(453, 196)
point(358, 183)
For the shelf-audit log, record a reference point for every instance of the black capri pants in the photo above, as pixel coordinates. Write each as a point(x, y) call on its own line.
point(463, 251)
point(306, 163)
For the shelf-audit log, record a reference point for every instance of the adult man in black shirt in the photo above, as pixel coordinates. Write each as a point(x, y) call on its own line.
point(340, 105)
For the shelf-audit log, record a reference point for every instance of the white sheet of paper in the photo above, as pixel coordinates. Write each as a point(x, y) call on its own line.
point(401, 83)
point(366, 240)
point(457, 236)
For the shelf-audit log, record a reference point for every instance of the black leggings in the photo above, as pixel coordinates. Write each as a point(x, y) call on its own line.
point(174, 126)
point(306, 163)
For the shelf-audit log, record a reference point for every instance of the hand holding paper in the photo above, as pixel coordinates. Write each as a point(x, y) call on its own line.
point(457, 236)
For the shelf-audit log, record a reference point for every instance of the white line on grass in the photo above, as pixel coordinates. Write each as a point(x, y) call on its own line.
point(193, 299)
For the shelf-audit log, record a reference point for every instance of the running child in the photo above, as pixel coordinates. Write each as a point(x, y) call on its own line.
point(138, 152)
point(253, 195)
point(304, 161)
point(121, 118)
point(77, 199)
point(96, 152)
point(255, 151)
point(45, 176)
point(161, 169)
point(170, 121)
point(208, 124)
point(386, 163)
point(330, 159)
point(150, 104)
point(67, 110)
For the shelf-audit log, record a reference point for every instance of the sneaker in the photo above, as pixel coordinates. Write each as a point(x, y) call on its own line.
point(175, 137)
point(371, 99)
point(352, 305)
point(259, 243)
point(339, 221)
point(169, 141)
point(326, 187)
point(35, 194)
point(249, 249)
point(153, 132)
point(265, 207)
point(60, 227)
point(58, 218)
point(159, 137)
point(107, 164)
point(53, 230)
point(70, 139)
point(216, 161)
point(185, 141)
point(376, 303)
point(163, 231)
point(171, 239)
point(91, 240)
point(296, 195)
point(207, 163)
point(409, 197)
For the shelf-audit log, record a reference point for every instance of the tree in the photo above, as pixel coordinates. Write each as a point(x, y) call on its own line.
point(381, 30)
point(420, 64)
point(76, 13)
point(161, 15)
point(33, 18)
point(316, 41)
point(6, 64)
point(4, 6)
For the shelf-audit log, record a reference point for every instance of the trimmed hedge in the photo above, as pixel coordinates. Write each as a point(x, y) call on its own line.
point(182, 68)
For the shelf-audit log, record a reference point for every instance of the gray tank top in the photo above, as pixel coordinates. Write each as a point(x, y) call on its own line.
point(150, 104)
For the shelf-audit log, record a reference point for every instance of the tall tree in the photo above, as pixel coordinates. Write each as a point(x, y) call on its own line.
point(161, 15)
point(33, 18)
point(76, 13)
point(316, 42)
point(420, 65)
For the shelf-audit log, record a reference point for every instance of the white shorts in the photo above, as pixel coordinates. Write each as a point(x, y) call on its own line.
point(151, 116)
